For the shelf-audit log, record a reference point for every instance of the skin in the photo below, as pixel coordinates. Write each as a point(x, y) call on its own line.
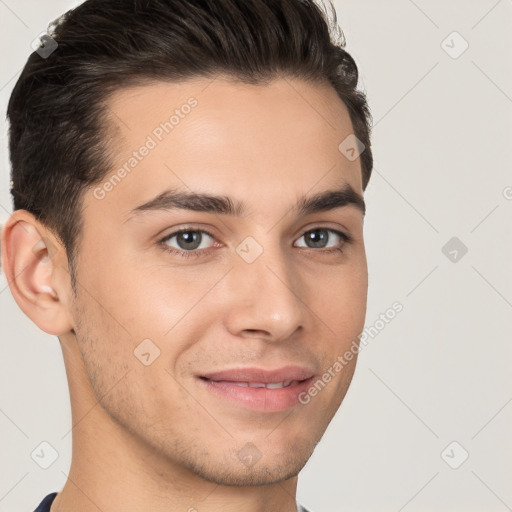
point(149, 437)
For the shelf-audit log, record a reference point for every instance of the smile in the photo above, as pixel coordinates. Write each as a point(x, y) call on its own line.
point(258, 389)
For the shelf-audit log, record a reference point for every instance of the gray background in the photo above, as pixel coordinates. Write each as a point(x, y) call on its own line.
point(437, 373)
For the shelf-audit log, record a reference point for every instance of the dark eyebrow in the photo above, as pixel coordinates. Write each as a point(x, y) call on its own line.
point(329, 200)
point(198, 202)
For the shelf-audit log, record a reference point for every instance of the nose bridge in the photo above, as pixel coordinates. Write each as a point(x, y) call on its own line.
point(266, 292)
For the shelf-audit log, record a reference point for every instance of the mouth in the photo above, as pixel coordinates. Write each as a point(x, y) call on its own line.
point(258, 389)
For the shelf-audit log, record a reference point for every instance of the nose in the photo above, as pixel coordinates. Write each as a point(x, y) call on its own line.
point(265, 298)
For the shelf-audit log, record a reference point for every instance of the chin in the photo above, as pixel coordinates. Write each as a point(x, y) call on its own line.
point(263, 475)
point(270, 468)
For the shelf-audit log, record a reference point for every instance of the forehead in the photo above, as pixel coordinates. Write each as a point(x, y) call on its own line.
point(227, 137)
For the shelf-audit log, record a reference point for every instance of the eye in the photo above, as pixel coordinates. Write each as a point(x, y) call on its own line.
point(318, 238)
point(188, 242)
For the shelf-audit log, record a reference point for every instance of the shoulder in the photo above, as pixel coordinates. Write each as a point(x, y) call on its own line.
point(44, 506)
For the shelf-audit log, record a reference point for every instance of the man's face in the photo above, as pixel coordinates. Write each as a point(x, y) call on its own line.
point(266, 290)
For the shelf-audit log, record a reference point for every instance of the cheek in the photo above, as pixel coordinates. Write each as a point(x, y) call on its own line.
point(135, 300)
point(341, 299)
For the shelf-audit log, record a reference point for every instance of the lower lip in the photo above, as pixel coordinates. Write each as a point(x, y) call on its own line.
point(258, 399)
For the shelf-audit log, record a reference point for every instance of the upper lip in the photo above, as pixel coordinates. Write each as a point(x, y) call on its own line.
point(283, 374)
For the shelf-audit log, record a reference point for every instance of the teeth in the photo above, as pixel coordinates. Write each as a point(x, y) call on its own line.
point(275, 385)
point(270, 385)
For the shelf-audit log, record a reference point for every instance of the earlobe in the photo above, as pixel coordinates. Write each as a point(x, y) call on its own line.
point(30, 261)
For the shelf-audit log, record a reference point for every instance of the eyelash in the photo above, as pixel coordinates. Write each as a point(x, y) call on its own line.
point(347, 239)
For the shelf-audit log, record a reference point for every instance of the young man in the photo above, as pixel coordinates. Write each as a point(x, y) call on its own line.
point(188, 183)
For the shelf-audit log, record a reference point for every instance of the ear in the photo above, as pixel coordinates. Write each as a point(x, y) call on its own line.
point(35, 264)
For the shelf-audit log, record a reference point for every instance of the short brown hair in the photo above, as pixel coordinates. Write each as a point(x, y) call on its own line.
point(57, 141)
